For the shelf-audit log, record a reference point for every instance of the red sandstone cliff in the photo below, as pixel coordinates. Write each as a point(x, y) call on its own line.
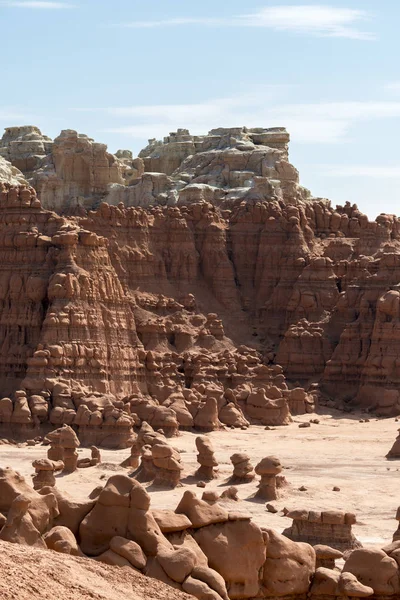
point(183, 278)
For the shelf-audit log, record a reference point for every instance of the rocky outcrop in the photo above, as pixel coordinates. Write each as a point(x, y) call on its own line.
point(197, 285)
point(25, 147)
point(63, 443)
point(36, 575)
point(72, 171)
point(329, 528)
point(188, 549)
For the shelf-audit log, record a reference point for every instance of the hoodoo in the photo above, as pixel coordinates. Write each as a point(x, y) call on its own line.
point(199, 285)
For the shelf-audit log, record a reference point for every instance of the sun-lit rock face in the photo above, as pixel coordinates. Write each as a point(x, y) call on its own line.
point(197, 285)
point(10, 174)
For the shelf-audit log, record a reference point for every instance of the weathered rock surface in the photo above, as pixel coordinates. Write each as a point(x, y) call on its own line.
point(29, 574)
point(204, 548)
point(198, 285)
point(329, 528)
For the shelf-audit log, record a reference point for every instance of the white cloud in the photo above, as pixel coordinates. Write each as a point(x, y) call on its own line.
point(318, 20)
point(374, 171)
point(315, 19)
point(324, 123)
point(34, 4)
point(159, 120)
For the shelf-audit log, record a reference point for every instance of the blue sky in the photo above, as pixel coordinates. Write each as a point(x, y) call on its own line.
point(128, 70)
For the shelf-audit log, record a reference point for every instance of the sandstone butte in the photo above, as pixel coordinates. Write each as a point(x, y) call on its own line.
point(197, 286)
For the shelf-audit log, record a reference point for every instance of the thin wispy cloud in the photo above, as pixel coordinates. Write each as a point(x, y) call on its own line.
point(324, 123)
point(36, 5)
point(317, 20)
point(320, 20)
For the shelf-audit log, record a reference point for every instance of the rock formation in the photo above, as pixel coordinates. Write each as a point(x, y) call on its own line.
point(394, 451)
point(33, 575)
point(186, 549)
point(95, 459)
point(329, 528)
point(44, 472)
point(205, 458)
point(63, 444)
point(268, 468)
point(196, 286)
point(133, 459)
point(243, 471)
point(159, 462)
point(167, 465)
point(326, 556)
point(396, 535)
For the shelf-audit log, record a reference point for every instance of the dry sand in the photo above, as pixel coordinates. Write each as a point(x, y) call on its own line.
point(339, 451)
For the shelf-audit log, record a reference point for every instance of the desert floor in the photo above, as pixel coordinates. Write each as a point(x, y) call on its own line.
point(339, 451)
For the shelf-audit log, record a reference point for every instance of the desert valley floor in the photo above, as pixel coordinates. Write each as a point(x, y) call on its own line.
point(340, 451)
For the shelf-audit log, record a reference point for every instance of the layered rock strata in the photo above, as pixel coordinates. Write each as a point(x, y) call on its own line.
point(329, 528)
point(182, 281)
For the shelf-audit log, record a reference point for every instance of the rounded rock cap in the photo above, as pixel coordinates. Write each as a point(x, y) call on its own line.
point(270, 465)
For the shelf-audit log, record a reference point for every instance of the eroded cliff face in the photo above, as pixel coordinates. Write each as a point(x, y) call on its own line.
point(185, 277)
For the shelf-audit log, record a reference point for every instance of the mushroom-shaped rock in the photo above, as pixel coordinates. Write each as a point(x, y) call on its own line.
point(108, 517)
point(205, 458)
point(268, 468)
point(243, 471)
point(121, 509)
point(44, 472)
point(326, 556)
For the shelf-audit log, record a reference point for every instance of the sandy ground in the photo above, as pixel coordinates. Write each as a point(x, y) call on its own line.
point(339, 451)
